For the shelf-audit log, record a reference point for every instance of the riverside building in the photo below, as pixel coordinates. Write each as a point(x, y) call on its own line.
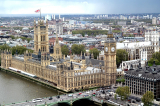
point(66, 73)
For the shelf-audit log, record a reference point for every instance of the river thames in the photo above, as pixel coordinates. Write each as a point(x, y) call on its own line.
point(16, 89)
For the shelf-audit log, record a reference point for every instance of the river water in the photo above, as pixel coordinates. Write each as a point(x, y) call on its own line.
point(16, 89)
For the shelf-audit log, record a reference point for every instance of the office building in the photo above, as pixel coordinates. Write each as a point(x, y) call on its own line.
point(154, 20)
point(141, 80)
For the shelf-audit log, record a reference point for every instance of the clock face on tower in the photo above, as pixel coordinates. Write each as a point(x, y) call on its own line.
point(106, 49)
point(112, 49)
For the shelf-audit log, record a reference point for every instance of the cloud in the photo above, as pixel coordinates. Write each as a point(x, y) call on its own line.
point(78, 6)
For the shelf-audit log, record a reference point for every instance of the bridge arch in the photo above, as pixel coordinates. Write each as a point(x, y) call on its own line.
point(83, 102)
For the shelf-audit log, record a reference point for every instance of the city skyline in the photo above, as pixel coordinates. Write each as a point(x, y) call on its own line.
point(80, 6)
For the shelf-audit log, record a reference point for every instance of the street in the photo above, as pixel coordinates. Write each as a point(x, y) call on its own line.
point(100, 95)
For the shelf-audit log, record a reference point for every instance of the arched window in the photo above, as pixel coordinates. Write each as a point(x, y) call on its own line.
point(43, 38)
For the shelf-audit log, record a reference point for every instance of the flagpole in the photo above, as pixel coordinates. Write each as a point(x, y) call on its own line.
point(40, 13)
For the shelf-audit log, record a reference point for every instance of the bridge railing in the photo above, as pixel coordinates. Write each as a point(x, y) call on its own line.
point(67, 101)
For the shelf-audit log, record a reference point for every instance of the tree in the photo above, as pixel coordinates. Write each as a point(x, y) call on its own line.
point(65, 50)
point(20, 49)
point(77, 49)
point(0, 60)
point(13, 37)
point(123, 92)
point(115, 96)
point(89, 32)
point(122, 80)
point(95, 52)
point(31, 28)
point(23, 38)
point(28, 39)
point(121, 41)
point(121, 55)
point(156, 58)
point(5, 47)
point(152, 60)
point(147, 98)
point(116, 31)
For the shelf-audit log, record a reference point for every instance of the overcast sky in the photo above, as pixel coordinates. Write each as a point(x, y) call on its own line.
point(79, 6)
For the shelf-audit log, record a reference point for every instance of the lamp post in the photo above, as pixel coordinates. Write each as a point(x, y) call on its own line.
point(125, 57)
point(71, 101)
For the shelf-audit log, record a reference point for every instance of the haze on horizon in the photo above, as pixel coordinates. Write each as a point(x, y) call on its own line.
point(79, 6)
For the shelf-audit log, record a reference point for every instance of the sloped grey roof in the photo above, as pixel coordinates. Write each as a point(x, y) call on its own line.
point(146, 73)
point(94, 61)
point(50, 67)
point(34, 56)
point(18, 58)
point(57, 62)
point(34, 60)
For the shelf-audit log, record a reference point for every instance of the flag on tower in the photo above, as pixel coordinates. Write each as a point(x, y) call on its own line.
point(37, 11)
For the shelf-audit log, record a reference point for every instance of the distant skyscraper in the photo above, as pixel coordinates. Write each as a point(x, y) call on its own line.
point(106, 16)
point(81, 18)
point(47, 17)
point(121, 23)
point(54, 17)
point(129, 17)
point(154, 20)
point(121, 16)
point(59, 28)
point(59, 16)
point(150, 16)
point(63, 18)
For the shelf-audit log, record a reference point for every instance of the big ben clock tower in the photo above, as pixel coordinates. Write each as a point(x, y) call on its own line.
point(110, 60)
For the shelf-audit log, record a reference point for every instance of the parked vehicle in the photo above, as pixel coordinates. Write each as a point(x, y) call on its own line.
point(87, 92)
point(157, 99)
point(70, 95)
point(50, 98)
point(37, 100)
point(58, 96)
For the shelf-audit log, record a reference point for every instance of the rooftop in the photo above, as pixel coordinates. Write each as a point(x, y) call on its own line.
point(149, 73)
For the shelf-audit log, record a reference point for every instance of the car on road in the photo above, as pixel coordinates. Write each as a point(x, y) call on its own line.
point(133, 101)
point(157, 99)
point(70, 95)
point(58, 96)
point(37, 100)
point(79, 93)
point(50, 98)
point(87, 92)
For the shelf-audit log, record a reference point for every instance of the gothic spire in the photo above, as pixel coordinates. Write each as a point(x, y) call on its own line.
point(57, 40)
point(110, 30)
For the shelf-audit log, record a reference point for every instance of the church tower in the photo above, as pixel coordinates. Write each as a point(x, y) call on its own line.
point(41, 37)
point(110, 60)
point(57, 50)
point(6, 58)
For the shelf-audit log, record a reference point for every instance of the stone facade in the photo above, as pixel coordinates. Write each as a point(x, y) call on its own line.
point(67, 73)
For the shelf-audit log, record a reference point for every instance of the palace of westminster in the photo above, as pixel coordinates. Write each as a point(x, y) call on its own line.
point(76, 72)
